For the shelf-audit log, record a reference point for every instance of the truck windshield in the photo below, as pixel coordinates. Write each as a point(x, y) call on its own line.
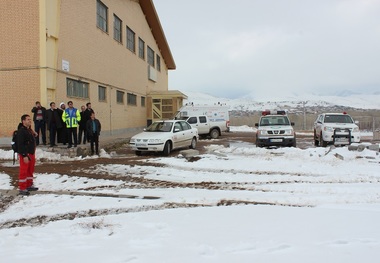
point(274, 120)
point(338, 119)
point(160, 127)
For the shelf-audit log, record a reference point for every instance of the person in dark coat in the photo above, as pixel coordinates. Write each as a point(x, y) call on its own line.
point(26, 148)
point(62, 133)
point(39, 118)
point(86, 116)
point(82, 126)
point(93, 128)
point(54, 122)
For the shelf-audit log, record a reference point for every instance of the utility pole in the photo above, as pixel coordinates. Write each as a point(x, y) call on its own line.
point(304, 114)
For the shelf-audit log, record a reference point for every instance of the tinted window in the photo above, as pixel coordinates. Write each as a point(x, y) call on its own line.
point(338, 119)
point(192, 120)
point(185, 125)
point(202, 119)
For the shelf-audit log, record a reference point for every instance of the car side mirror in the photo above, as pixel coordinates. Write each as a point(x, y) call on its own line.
point(357, 122)
point(256, 124)
point(292, 123)
point(176, 129)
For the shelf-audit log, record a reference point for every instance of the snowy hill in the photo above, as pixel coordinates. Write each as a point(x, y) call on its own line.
point(247, 103)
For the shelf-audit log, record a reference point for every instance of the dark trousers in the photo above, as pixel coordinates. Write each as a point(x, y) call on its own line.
point(72, 132)
point(82, 130)
point(62, 135)
point(40, 127)
point(52, 133)
point(94, 140)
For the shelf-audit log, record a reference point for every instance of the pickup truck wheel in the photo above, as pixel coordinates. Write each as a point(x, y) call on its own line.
point(323, 143)
point(316, 141)
point(294, 143)
point(257, 142)
point(193, 143)
point(167, 149)
point(214, 134)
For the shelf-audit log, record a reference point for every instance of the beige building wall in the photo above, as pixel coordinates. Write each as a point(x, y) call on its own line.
point(37, 36)
point(96, 58)
point(19, 61)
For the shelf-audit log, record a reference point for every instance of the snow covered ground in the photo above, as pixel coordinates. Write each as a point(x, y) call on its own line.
point(234, 204)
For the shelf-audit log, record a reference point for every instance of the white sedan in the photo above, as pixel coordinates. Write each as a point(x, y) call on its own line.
point(165, 136)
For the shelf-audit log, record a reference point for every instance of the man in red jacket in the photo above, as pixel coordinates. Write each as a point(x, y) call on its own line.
point(26, 143)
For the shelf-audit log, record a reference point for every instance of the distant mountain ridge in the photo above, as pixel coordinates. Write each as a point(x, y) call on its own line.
point(292, 103)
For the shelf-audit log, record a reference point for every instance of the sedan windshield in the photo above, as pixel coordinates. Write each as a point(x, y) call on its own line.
point(160, 127)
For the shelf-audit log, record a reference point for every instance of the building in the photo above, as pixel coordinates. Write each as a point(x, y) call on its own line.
point(112, 53)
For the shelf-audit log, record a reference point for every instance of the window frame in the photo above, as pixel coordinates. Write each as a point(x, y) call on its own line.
point(143, 101)
point(118, 93)
point(141, 49)
point(131, 99)
point(78, 89)
point(101, 22)
point(158, 62)
point(150, 56)
point(100, 88)
point(131, 40)
point(117, 32)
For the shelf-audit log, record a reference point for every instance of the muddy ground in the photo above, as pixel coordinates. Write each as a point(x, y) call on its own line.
point(78, 168)
point(122, 154)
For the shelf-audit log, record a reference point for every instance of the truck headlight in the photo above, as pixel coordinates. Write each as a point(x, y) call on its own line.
point(132, 140)
point(356, 129)
point(263, 132)
point(288, 132)
point(328, 129)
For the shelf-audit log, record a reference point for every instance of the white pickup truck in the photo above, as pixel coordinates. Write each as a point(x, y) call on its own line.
point(204, 126)
point(335, 128)
point(209, 120)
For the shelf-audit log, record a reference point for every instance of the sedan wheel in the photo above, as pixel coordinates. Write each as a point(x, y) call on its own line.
point(193, 143)
point(167, 149)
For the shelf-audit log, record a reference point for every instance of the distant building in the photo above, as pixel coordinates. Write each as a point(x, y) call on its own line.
point(112, 53)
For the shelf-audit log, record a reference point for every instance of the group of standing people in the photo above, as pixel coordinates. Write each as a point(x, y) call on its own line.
point(62, 124)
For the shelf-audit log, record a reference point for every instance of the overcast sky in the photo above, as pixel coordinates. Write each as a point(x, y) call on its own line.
point(233, 48)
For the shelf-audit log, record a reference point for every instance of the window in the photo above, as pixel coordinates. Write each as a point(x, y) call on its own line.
point(150, 56)
point(76, 88)
point(141, 48)
point(142, 101)
point(202, 119)
point(177, 127)
point(101, 16)
point(102, 93)
point(158, 61)
point(131, 99)
point(130, 39)
point(185, 126)
point(192, 120)
point(117, 26)
point(120, 97)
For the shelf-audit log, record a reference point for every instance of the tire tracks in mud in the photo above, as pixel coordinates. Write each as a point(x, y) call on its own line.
point(44, 219)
